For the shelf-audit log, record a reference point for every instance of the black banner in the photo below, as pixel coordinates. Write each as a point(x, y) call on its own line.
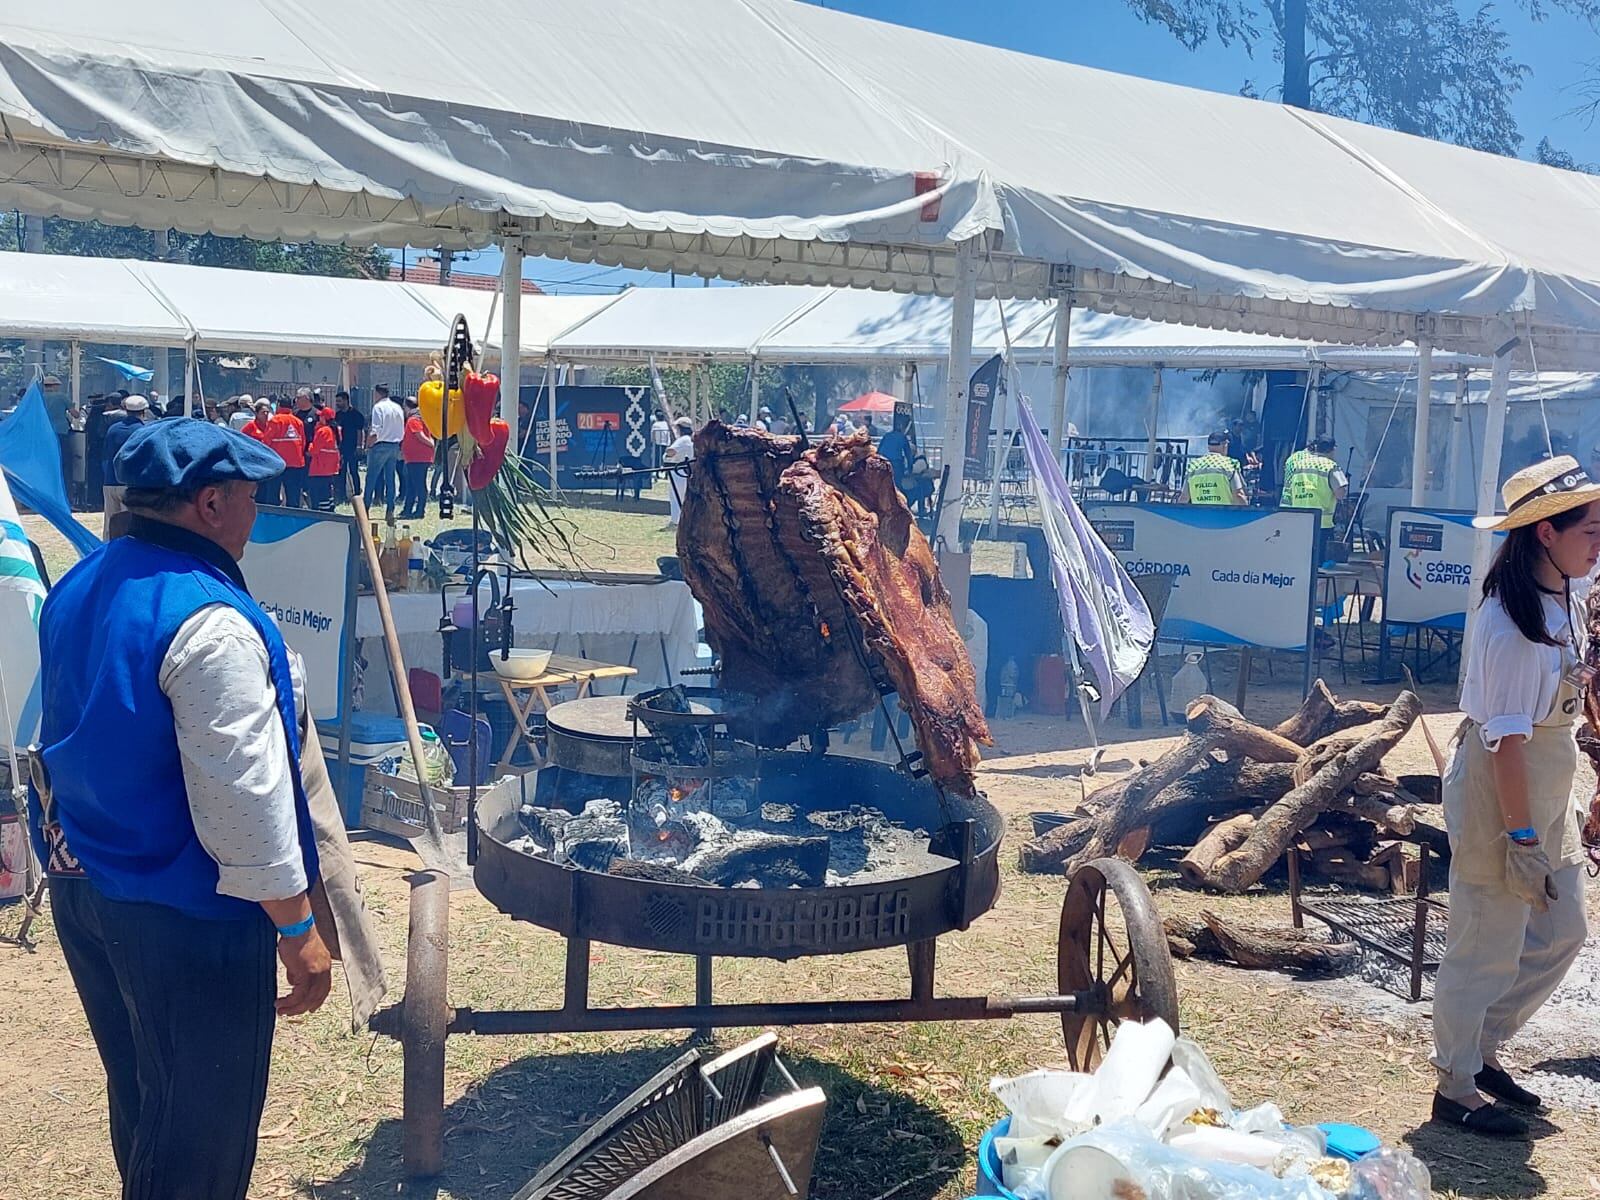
point(981, 391)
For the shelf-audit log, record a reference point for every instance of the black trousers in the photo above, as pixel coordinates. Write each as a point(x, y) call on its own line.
point(294, 483)
point(319, 492)
point(414, 489)
point(349, 474)
point(181, 1012)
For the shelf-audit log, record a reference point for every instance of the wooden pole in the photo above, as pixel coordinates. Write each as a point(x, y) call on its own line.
point(402, 687)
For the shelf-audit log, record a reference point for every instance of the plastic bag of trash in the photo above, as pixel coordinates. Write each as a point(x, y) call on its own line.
point(1038, 1101)
point(1213, 1092)
point(1390, 1173)
point(1116, 1161)
point(1127, 1075)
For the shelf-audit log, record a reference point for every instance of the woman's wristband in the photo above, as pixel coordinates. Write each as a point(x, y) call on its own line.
point(1527, 834)
point(299, 928)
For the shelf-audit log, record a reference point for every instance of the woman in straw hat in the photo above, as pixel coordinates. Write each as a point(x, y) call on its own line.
point(1516, 898)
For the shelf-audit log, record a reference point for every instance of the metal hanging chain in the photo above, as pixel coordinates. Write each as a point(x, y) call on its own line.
point(730, 524)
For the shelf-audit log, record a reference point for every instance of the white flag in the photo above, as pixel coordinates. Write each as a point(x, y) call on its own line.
point(21, 597)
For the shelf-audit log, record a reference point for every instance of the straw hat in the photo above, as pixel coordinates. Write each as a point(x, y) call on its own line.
point(1539, 492)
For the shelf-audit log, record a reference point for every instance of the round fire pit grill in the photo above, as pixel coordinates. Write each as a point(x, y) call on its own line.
point(1112, 958)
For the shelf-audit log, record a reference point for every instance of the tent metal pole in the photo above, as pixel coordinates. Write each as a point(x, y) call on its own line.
point(1058, 379)
point(962, 312)
point(550, 416)
point(1494, 434)
point(1458, 435)
point(347, 373)
point(1419, 448)
point(188, 379)
point(1155, 424)
point(511, 333)
point(77, 377)
point(755, 388)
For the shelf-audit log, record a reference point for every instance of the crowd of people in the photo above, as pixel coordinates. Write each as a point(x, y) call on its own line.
point(324, 447)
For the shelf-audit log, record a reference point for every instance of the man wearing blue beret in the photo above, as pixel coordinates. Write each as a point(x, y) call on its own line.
point(169, 807)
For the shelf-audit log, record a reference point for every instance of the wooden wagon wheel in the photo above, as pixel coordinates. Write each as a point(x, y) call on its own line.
point(1114, 956)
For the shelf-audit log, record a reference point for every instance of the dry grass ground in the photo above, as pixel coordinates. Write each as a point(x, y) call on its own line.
point(907, 1103)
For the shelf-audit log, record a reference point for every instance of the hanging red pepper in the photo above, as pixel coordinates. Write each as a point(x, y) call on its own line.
point(480, 394)
point(491, 453)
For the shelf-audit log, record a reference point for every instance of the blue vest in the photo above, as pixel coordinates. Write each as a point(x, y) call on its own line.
point(107, 732)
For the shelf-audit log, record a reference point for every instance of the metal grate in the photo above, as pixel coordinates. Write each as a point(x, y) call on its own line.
point(1387, 926)
point(679, 1104)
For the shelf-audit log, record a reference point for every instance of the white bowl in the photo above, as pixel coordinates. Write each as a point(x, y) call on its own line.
point(522, 666)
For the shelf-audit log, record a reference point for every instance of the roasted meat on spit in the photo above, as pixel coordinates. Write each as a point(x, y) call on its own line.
point(1589, 731)
point(819, 591)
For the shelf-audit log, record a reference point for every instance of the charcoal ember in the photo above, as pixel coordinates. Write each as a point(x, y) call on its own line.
point(809, 567)
point(768, 860)
point(544, 825)
point(654, 872)
point(733, 797)
point(671, 841)
point(595, 837)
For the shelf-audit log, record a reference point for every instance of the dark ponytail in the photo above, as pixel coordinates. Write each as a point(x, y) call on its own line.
point(1511, 576)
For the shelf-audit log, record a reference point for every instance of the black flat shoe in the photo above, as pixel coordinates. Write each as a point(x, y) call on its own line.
point(1492, 1081)
point(1490, 1120)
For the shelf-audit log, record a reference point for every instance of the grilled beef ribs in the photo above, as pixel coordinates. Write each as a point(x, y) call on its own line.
point(819, 589)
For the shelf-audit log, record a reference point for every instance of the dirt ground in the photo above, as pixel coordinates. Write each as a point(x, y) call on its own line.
point(907, 1103)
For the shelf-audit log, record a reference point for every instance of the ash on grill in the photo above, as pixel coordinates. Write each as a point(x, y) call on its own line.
point(698, 840)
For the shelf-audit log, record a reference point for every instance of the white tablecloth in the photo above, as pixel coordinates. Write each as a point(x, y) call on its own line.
point(651, 626)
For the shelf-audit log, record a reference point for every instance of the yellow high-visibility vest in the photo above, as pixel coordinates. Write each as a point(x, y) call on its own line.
point(1210, 478)
point(1308, 483)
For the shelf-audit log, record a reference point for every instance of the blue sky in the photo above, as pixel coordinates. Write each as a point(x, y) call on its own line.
point(1104, 34)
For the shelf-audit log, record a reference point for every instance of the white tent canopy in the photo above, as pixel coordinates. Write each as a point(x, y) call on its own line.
point(678, 323)
point(850, 325)
point(544, 318)
point(262, 311)
point(116, 301)
point(87, 299)
point(824, 148)
point(128, 301)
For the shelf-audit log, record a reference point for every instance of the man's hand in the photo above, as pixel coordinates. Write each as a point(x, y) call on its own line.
point(310, 970)
point(1528, 875)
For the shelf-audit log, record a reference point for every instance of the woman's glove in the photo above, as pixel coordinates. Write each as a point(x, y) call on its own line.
point(1528, 875)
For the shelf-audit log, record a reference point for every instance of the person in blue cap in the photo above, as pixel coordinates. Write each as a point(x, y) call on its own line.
point(169, 807)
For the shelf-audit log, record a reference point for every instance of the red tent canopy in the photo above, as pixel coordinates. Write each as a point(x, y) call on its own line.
point(873, 402)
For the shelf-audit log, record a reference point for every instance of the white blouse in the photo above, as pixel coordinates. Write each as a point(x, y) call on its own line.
point(1511, 683)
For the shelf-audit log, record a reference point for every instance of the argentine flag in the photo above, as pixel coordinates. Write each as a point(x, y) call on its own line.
point(21, 597)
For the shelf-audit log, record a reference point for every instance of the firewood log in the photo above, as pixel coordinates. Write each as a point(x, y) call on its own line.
point(1123, 806)
point(1383, 809)
point(1236, 871)
point(1322, 713)
point(1222, 838)
point(1273, 948)
point(1339, 865)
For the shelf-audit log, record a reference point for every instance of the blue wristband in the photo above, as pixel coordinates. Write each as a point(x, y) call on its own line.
point(1523, 835)
point(298, 928)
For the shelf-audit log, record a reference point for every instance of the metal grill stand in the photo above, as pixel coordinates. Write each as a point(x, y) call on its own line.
point(1396, 927)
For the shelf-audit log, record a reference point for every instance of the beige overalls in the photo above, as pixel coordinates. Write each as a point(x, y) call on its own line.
point(1502, 960)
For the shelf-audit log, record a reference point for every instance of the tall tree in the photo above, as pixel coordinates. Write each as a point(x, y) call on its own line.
point(1428, 67)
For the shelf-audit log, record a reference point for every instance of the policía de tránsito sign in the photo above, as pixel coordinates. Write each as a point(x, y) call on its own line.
point(1241, 576)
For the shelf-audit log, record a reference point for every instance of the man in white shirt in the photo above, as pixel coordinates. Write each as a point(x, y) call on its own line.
point(386, 428)
point(680, 452)
point(169, 807)
point(660, 435)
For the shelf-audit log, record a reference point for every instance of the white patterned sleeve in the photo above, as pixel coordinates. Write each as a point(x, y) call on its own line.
point(236, 765)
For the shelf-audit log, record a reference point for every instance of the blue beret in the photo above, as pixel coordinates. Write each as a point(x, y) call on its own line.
point(184, 454)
